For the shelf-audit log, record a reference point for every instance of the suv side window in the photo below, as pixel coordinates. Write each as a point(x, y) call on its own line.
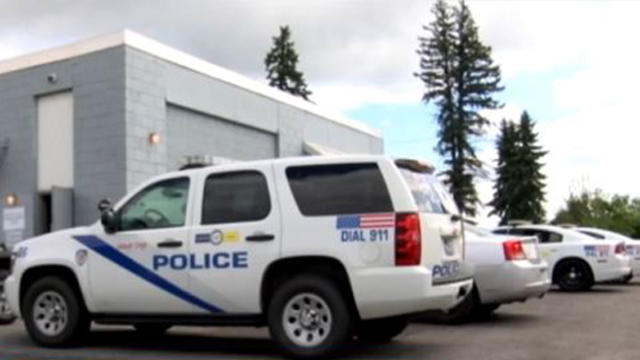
point(235, 197)
point(339, 189)
point(160, 205)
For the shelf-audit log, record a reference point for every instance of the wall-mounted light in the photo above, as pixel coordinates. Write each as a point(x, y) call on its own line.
point(154, 138)
point(52, 78)
point(11, 200)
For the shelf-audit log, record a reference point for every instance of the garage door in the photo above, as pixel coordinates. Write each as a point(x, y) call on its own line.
point(193, 133)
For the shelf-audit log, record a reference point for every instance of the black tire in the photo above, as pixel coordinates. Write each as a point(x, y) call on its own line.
point(152, 329)
point(381, 330)
point(336, 317)
point(77, 323)
point(627, 279)
point(6, 315)
point(573, 275)
point(464, 311)
point(485, 311)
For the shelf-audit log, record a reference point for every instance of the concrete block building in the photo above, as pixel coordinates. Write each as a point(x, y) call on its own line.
point(95, 118)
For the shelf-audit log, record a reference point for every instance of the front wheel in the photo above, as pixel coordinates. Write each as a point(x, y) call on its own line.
point(309, 317)
point(381, 330)
point(53, 313)
point(574, 276)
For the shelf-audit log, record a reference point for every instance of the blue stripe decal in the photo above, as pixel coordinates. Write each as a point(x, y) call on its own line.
point(96, 244)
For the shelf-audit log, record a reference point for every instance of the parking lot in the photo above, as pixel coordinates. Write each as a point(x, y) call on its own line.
point(600, 324)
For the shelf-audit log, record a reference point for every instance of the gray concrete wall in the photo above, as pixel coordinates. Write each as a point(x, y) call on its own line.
point(193, 133)
point(97, 82)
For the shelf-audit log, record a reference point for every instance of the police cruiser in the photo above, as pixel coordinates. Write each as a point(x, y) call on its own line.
point(319, 249)
point(576, 261)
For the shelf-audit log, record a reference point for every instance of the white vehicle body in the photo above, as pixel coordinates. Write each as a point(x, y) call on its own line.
point(559, 244)
point(219, 272)
point(500, 280)
point(632, 246)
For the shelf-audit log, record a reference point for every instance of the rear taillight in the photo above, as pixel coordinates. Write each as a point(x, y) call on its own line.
point(408, 239)
point(620, 248)
point(513, 250)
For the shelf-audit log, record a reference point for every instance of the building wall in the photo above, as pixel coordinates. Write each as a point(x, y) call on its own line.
point(121, 95)
point(192, 133)
point(97, 82)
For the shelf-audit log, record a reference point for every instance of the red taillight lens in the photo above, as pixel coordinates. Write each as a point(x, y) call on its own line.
point(408, 239)
point(620, 248)
point(513, 250)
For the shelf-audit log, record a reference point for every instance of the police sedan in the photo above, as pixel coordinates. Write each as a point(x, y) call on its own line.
point(632, 246)
point(506, 269)
point(576, 261)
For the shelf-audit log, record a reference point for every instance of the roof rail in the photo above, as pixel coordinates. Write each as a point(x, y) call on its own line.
point(415, 165)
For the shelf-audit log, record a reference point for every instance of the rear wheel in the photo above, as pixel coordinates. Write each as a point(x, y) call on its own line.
point(573, 275)
point(464, 311)
point(381, 330)
point(309, 317)
point(53, 313)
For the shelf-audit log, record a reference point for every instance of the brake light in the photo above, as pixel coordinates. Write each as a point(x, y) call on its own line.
point(513, 250)
point(408, 239)
point(620, 248)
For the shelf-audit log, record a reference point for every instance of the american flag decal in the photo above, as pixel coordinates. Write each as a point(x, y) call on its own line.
point(367, 221)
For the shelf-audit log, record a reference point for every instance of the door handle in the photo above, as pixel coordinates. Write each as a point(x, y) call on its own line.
point(170, 243)
point(260, 237)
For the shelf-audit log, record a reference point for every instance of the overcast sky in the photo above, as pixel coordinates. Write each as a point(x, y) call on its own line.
point(572, 65)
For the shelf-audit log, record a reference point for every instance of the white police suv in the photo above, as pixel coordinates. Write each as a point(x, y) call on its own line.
point(576, 260)
point(320, 249)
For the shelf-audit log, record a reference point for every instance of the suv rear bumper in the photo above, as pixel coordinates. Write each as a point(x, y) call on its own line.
point(384, 292)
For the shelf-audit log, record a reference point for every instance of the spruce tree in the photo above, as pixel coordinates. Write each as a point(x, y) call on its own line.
point(281, 65)
point(532, 179)
point(507, 181)
point(519, 188)
point(460, 78)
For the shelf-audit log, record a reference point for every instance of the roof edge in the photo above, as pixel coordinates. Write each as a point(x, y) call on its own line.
point(180, 58)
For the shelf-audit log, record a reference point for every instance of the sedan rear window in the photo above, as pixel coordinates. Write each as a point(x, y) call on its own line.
point(428, 193)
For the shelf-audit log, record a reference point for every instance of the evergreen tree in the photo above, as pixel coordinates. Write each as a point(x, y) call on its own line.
point(460, 78)
point(281, 65)
point(532, 178)
point(507, 182)
point(519, 188)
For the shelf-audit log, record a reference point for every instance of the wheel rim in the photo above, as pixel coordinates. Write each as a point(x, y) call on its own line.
point(50, 313)
point(307, 320)
point(573, 277)
point(5, 310)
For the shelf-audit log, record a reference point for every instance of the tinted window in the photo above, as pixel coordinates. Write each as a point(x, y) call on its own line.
point(235, 197)
point(592, 234)
point(339, 189)
point(161, 205)
point(547, 236)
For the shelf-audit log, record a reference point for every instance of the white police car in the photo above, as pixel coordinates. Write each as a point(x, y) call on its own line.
point(506, 268)
point(320, 249)
point(632, 246)
point(576, 260)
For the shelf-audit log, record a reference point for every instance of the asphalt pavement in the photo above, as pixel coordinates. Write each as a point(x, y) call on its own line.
point(603, 323)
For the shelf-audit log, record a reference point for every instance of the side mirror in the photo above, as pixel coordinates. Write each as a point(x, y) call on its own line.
point(104, 205)
point(109, 221)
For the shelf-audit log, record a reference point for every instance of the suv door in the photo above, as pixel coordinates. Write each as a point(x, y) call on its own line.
point(142, 266)
point(236, 235)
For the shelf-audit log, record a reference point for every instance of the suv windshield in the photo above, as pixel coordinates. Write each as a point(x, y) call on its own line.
point(428, 193)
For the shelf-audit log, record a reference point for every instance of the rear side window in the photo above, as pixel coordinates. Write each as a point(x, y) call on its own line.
point(235, 197)
point(428, 193)
point(339, 189)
